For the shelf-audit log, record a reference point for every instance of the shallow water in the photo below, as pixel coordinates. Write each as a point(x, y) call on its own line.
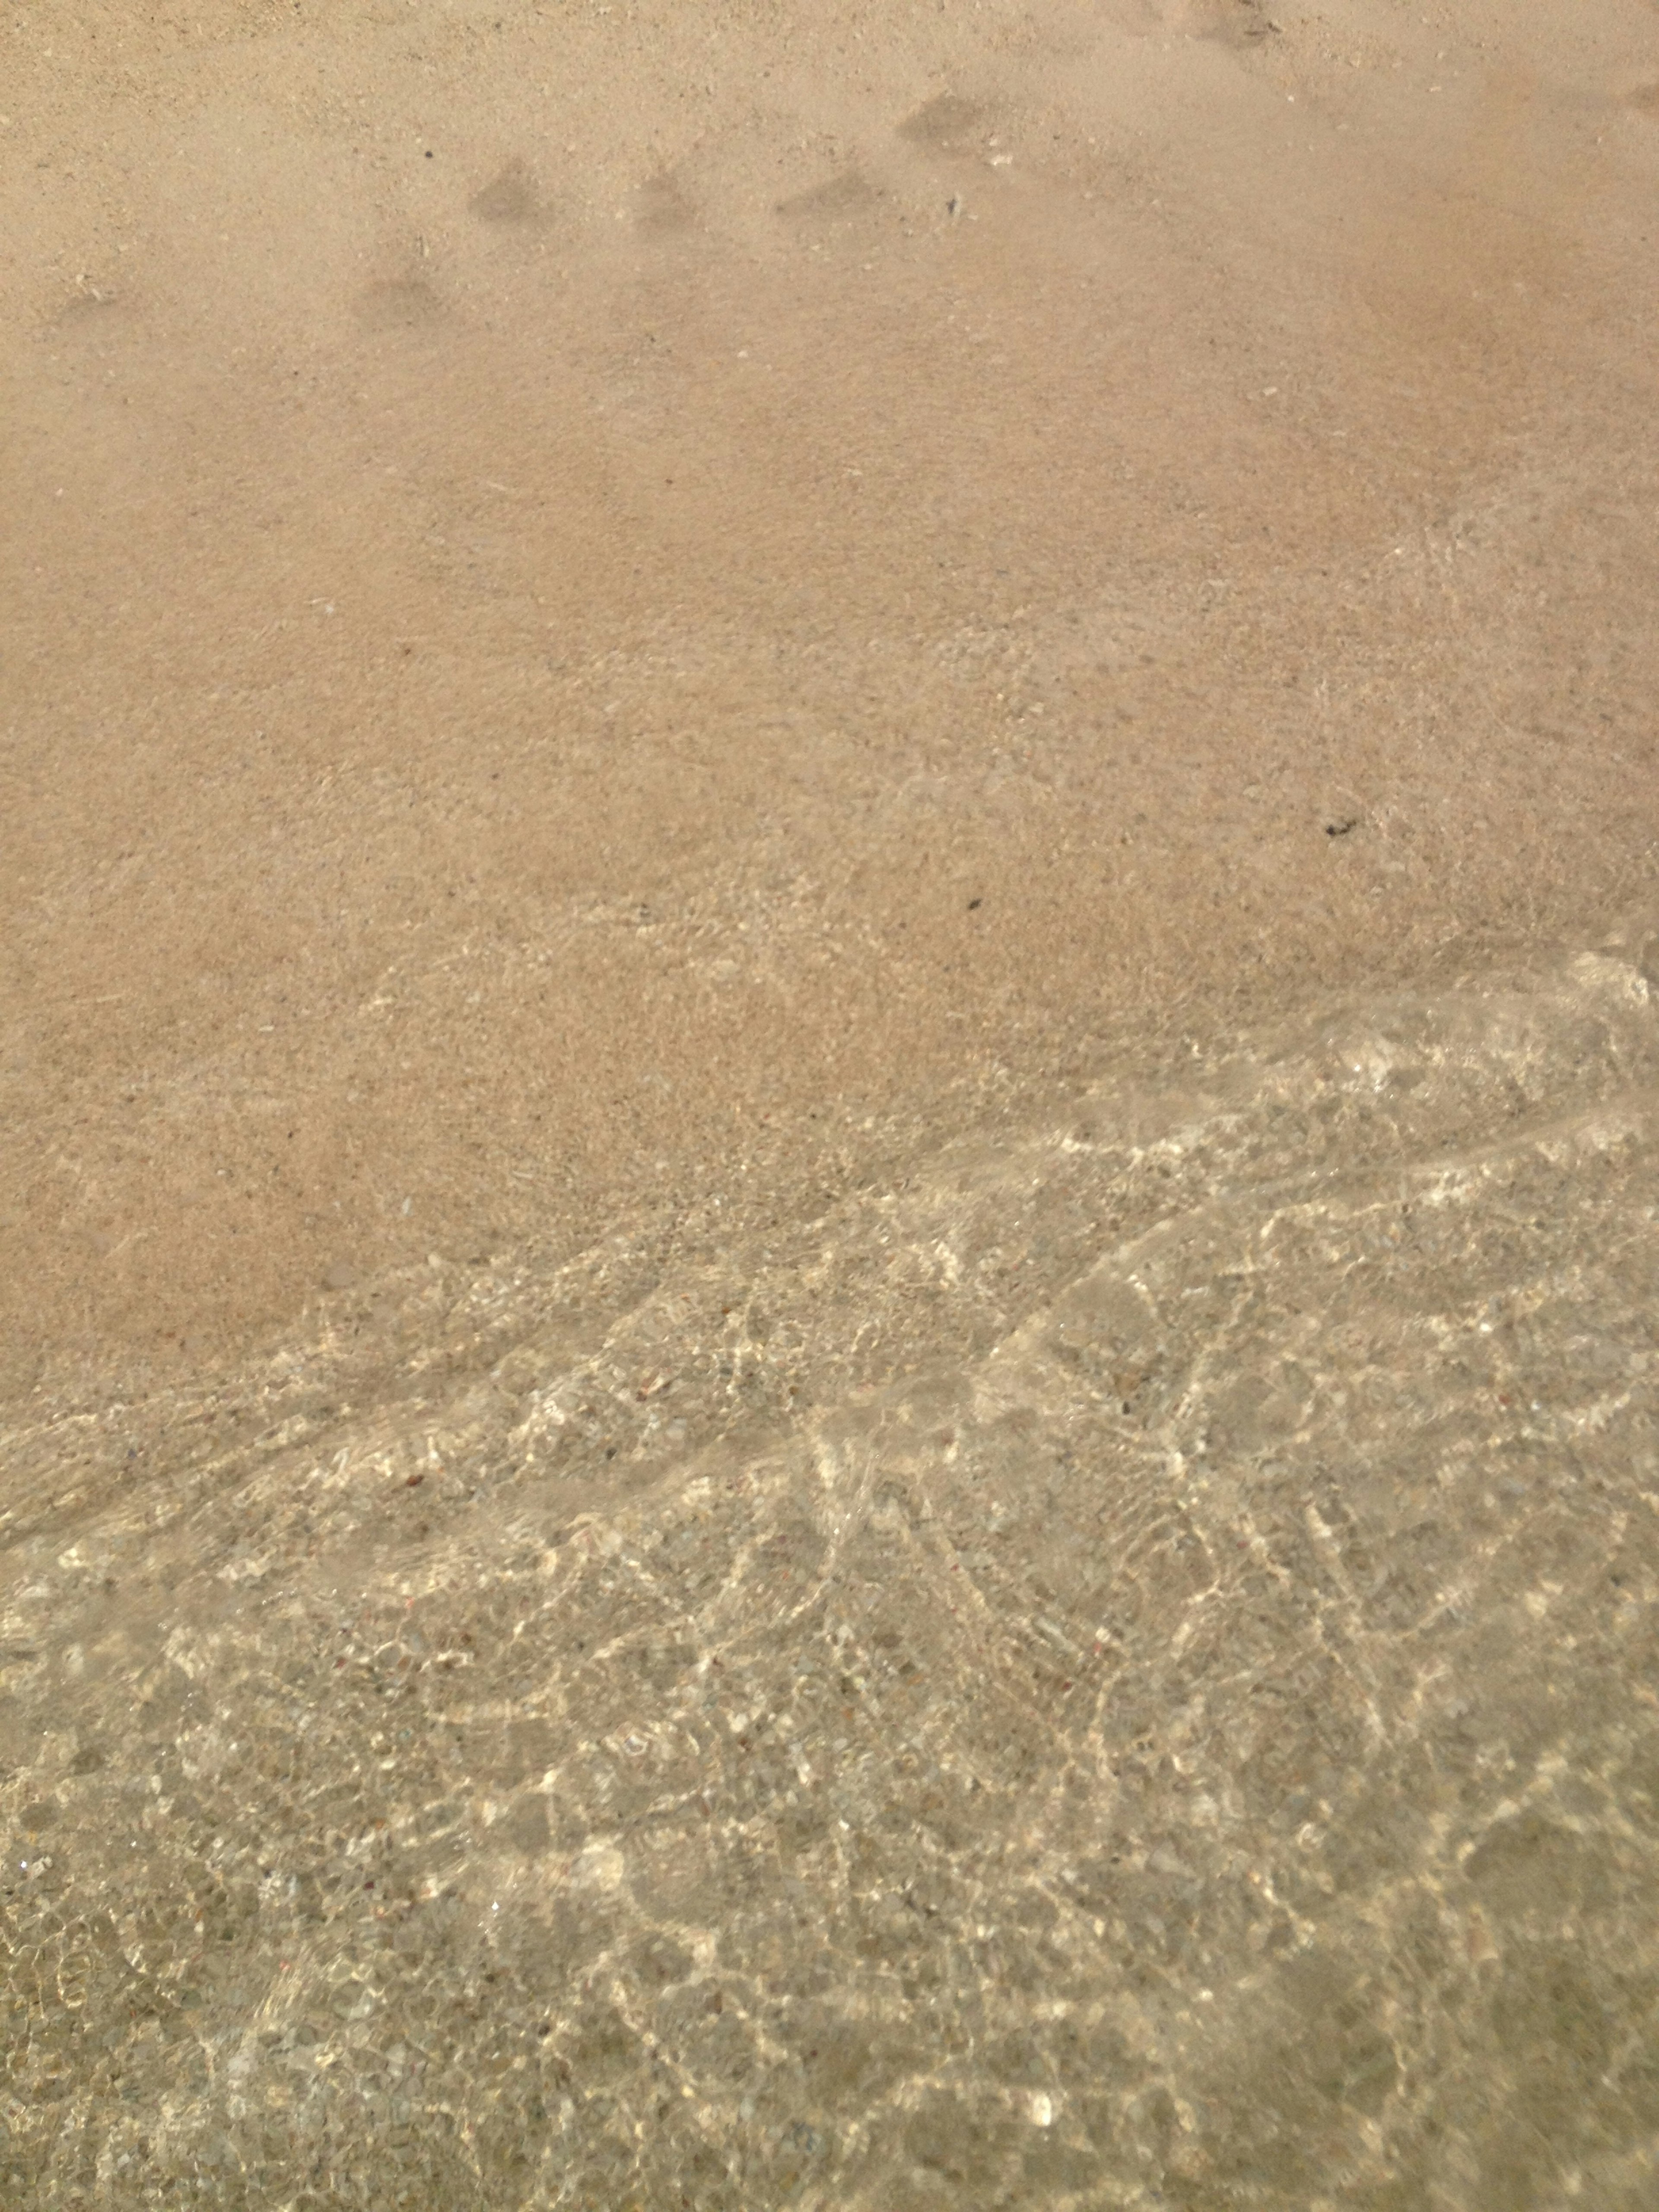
point(1116, 1669)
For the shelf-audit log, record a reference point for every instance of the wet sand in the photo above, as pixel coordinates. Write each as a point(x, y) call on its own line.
point(698, 706)
point(545, 570)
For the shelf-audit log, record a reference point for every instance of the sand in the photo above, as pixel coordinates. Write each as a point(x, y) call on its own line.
point(546, 569)
point(628, 633)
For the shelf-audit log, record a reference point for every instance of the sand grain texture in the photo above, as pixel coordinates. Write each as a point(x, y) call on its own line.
point(717, 726)
point(545, 568)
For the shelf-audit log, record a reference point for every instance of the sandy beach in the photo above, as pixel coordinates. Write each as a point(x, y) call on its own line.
point(707, 699)
point(545, 569)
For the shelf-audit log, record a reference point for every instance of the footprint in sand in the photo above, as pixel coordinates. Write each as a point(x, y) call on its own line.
point(399, 303)
point(838, 201)
point(945, 125)
point(661, 207)
point(1230, 22)
point(510, 199)
point(90, 302)
point(92, 326)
